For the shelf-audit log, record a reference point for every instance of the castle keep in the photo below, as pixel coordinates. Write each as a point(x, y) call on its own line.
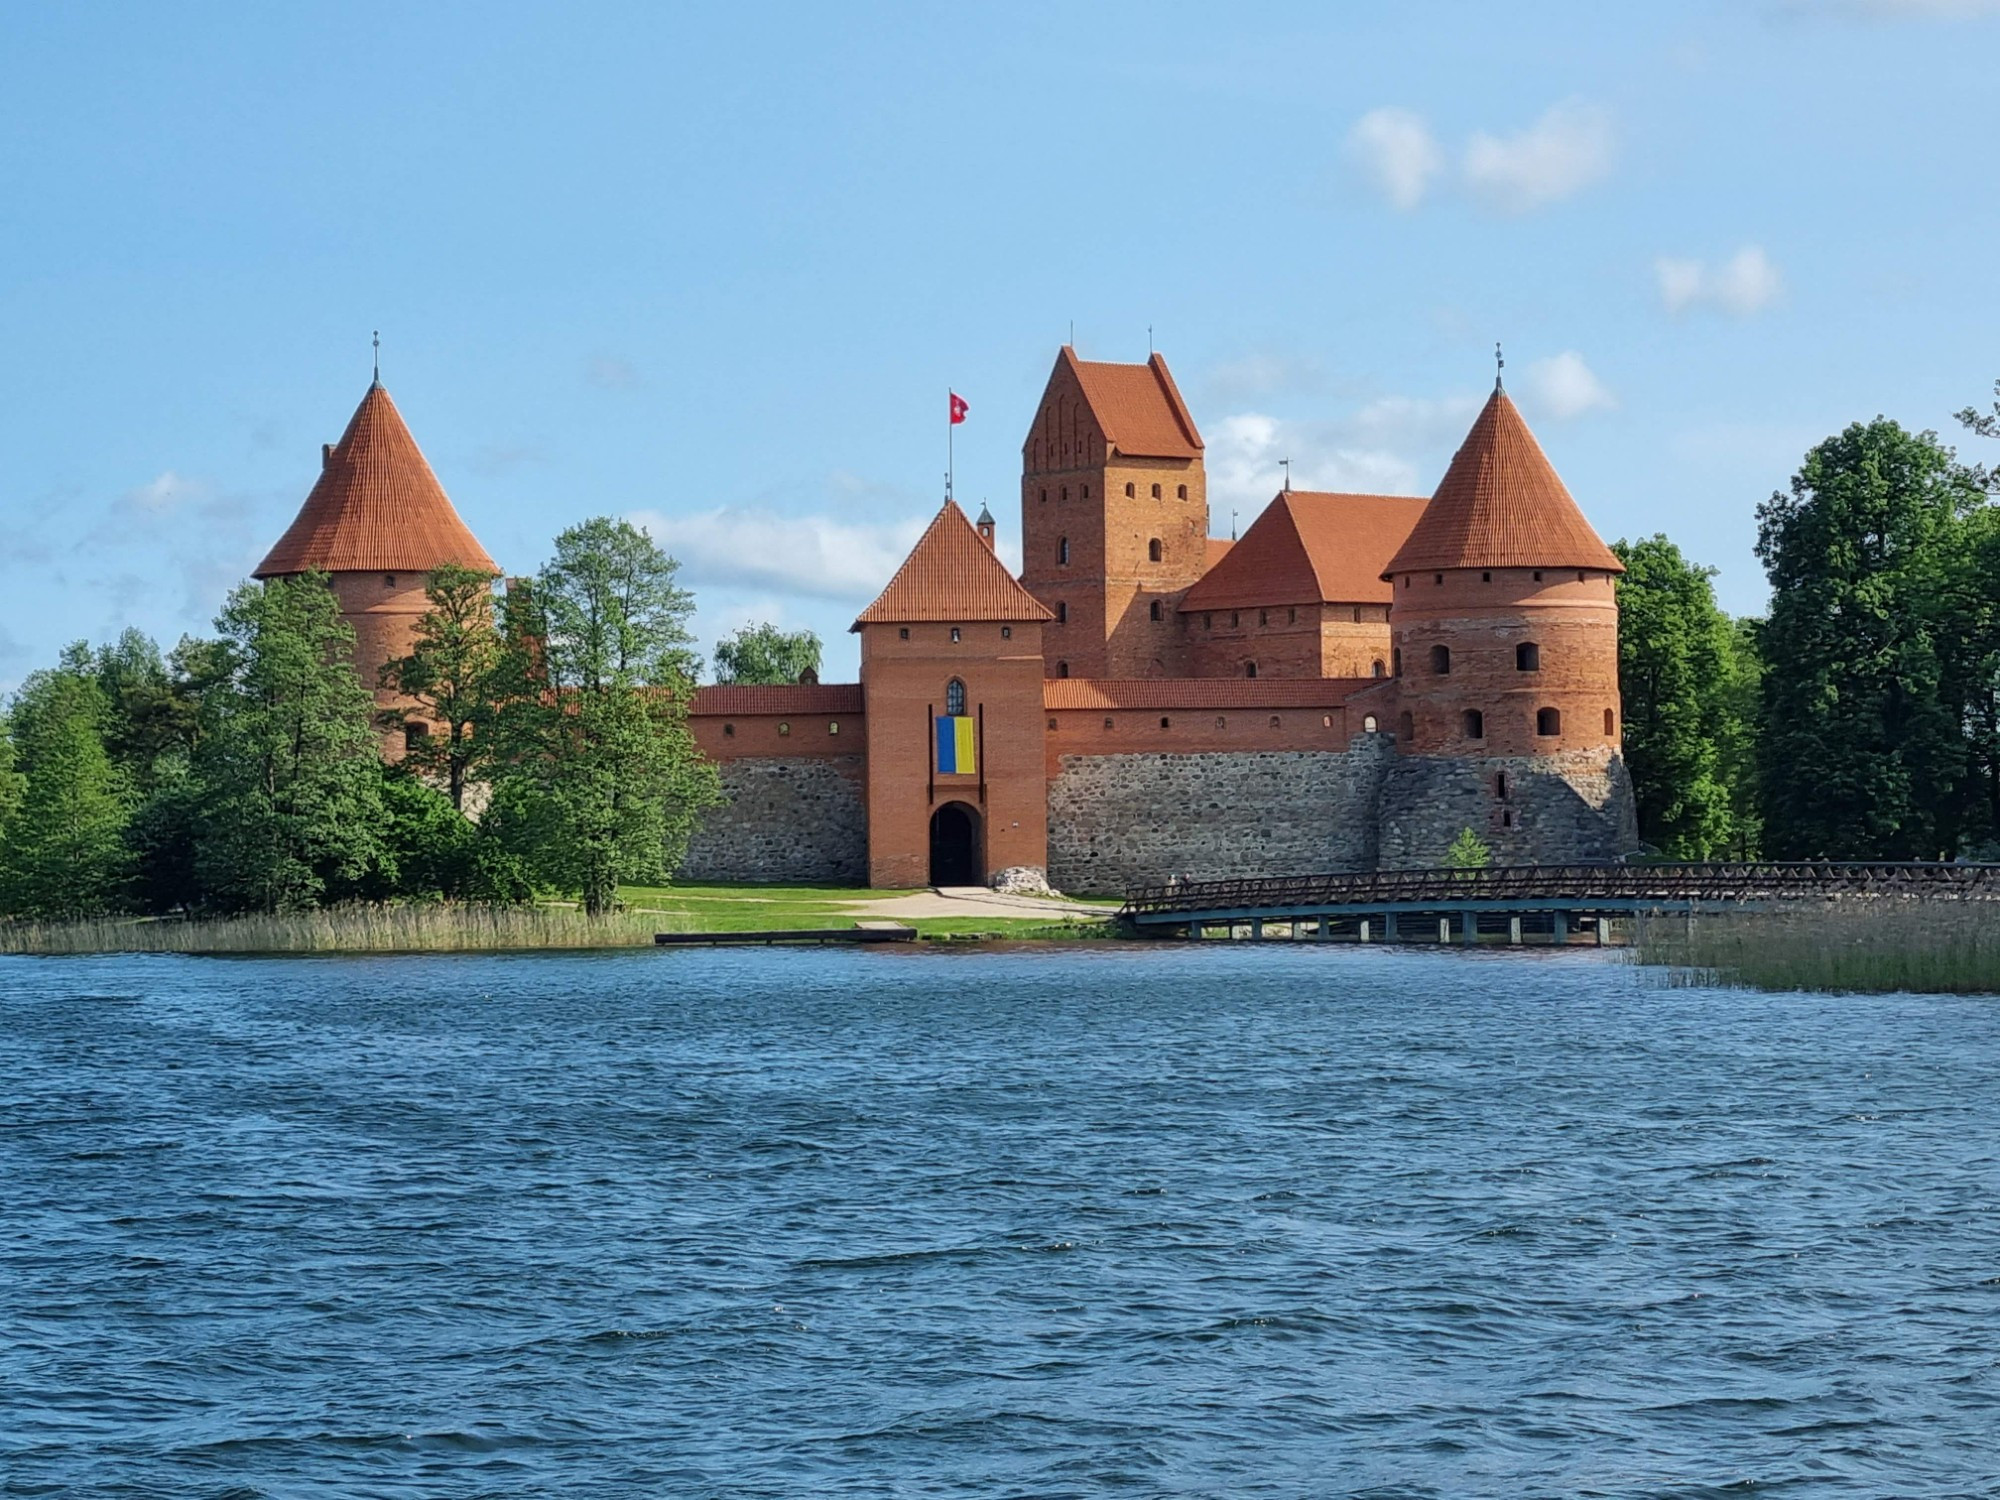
point(1348, 686)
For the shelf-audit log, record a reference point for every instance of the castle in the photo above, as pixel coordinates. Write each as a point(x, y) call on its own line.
point(1347, 687)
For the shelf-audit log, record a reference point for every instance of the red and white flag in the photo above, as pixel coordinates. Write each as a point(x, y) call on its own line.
point(958, 407)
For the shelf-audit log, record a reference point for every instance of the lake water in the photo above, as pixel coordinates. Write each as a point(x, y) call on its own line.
point(1126, 1221)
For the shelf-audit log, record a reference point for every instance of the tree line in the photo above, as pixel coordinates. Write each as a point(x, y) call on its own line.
point(1860, 717)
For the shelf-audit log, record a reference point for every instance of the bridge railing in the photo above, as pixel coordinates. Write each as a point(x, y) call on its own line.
point(1669, 884)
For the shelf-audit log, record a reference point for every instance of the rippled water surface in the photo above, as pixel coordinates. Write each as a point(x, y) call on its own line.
point(1141, 1221)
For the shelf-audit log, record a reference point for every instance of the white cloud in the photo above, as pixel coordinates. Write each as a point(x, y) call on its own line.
point(1894, 10)
point(1746, 283)
point(1565, 387)
point(1394, 149)
point(1361, 454)
point(817, 556)
point(165, 493)
point(1561, 154)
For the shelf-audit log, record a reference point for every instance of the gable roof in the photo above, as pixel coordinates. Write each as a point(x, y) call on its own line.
point(1500, 505)
point(376, 507)
point(1138, 407)
point(1311, 547)
point(951, 574)
point(1099, 693)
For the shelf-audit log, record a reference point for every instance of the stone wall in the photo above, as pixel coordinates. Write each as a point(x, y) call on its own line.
point(1122, 820)
point(784, 820)
point(1572, 807)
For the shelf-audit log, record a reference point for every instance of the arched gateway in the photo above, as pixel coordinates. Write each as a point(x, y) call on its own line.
point(956, 857)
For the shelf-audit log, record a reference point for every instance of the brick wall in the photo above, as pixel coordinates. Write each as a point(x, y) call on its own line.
point(784, 819)
point(1121, 820)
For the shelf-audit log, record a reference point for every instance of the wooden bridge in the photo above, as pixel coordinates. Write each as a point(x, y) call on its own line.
point(1524, 903)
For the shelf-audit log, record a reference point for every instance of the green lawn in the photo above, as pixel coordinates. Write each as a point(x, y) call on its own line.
point(753, 908)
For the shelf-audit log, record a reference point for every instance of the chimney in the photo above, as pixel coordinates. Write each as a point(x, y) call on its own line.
point(986, 526)
point(325, 454)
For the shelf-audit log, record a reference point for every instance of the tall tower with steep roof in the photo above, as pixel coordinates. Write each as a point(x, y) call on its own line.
point(376, 522)
point(1114, 517)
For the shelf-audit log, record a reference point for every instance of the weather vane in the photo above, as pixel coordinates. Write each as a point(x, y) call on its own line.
point(378, 356)
point(1499, 364)
point(1287, 465)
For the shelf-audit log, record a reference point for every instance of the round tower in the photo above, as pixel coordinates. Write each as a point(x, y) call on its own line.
point(376, 522)
point(1504, 636)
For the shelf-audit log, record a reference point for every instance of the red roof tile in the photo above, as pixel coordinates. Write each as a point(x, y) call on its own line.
point(1500, 505)
point(1139, 407)
point(1218, 548)
point(1200, 692)
point(376, 507)
point(951, 574)
point(1308, 547)
point(780, 698)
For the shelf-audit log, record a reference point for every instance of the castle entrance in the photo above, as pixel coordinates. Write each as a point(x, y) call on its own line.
point(955, 853)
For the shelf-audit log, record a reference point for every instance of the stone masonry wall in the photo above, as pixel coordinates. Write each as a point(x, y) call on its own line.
point(1122, 820)
point(784, 820)
point(1573, 807)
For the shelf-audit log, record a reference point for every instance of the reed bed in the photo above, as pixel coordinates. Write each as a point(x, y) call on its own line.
point(1856, 945)
point(348, 929)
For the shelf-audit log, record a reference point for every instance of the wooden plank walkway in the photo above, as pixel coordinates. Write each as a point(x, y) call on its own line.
point(869, 932)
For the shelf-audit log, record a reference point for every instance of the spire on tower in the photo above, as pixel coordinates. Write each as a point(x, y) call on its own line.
point(1499, 364)
point(378, 356)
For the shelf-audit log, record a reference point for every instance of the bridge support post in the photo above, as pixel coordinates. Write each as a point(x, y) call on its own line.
point(1325, 931)
point(1194, 932)
point(1364, 929)
point(1444, 929)
point(1513, 932)
point(1468, 932)
point(1562, 929)
point(1389, 932)
point(1256, 929)
point(1603, 925)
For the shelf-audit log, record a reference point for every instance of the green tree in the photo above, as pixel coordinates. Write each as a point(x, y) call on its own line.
point(602, 782)
point(765, 654)
point(62, 850)
point(1862, 756)
point(1677, 660)
point(290, 785)
point(449, 671)
point(1742, 726)
point(1468, 852)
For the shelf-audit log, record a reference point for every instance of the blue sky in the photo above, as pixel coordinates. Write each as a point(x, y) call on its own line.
point(714, 266)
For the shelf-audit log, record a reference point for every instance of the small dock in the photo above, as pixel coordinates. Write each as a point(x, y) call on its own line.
point(861, 932)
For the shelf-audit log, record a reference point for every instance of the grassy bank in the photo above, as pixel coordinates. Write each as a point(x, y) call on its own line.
point(1859, 946)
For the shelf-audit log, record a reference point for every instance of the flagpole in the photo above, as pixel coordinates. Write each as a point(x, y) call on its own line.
point(950, 436)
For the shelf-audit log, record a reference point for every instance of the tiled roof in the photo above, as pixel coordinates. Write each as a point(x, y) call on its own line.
point(951, 574)
point(1307, 547)
point(1139, 407)
point(376, 507)
point(1218, 548)
point(783, 698)
point(1501, 505)
point(1199, 692)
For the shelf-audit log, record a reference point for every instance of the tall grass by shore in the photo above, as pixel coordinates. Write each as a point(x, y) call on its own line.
point(347, 929)
point(1857, 945)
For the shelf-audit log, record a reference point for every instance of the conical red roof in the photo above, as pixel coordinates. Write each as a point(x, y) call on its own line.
point(1500, 505)
point(951, 574)
point(377, 507)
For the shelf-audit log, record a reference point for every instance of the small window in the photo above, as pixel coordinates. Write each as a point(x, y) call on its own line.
point(1579, 578)
point(1485, 577)
point(1406, 580)
point(1107, 721)
point(1475, 724)
point(1610, 723)
point(1220, 722)
point(954, 635)
point(1062, 669)
point(1507, 818)
point(1548, 721)
point(1249, 669)
point(1437, 578)
point(1062, 551)
point(388, 580)
point(1538, 575)
point(1235, 618)
point(1397, 653)
point(1156, 492)
point(1406, 729)
point(1500, 785)
point(1052, 723)
point(1208, 622)
point(1180, 492)
point(954, 698)
point(1263, 617)
point(1131, 489)
point(1357, 614)
point(833, 726)
point(1377, 667)
point(1292, 615)
point(415, 732)
point(1155, 607)
point(1166, 723)
point(1527, 657)
point(1065, 492)
point(1153, 550)
point(1062, 611)
point(1274, 721)
point(729, 731)
point(1086, 492)
point(1368, 725)
point(784, 729)
point(1045, 495)
point(903, 634)
point(1441, 661)
point(1006, 632)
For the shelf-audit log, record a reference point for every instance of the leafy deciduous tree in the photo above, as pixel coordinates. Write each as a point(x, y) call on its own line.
point(765, 654)
point(449, 672)
point(62, 851)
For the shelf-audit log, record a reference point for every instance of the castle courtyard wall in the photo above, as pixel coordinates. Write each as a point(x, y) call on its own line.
point(1573, 807)
point(796, 819)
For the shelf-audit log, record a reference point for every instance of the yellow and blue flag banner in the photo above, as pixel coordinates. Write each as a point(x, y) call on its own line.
point(957, 745)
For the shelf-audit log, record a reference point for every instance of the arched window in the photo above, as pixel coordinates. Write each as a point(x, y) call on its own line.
point(1397, 656)
point(955, 635)
point(1153, 550)
point(1406, 729)
point(1062, 669)
point(1156, 492)
point(1610, 723)
point(1527, 657)
point(954, 698)
point(1156, 609)
point(1548, 721)
point(1368, 722)
point(1274, 721)
point(1062, 551)
point(1249, 669)
point(415, 733)
point(1180, 492)
point(1475, 724)
point(1062, 611)
point(1378, 667)
point(1441, 660)
point(1131, 489)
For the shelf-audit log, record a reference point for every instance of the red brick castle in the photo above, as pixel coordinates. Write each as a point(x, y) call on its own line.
point(1350, 685)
